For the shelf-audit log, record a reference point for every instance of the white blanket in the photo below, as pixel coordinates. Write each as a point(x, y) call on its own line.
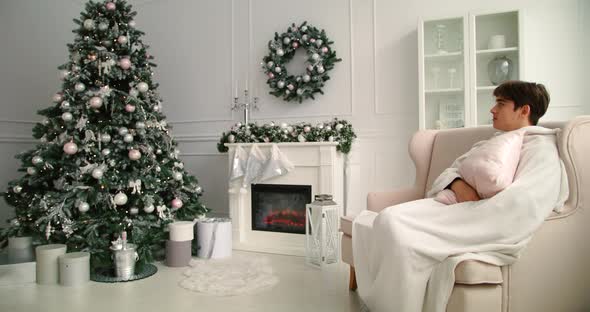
point(405, 256)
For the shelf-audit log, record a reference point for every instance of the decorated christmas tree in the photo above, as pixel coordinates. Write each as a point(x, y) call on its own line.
point(106, 162)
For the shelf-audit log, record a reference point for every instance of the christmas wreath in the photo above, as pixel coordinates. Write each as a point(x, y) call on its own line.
point(320, 60)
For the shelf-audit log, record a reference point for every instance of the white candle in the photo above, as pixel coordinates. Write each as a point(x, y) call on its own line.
point(47, 263)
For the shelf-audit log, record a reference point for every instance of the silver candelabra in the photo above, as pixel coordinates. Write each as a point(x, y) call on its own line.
point(246, 106)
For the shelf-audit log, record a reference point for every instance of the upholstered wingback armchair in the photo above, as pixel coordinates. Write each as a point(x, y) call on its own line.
point(553, 273)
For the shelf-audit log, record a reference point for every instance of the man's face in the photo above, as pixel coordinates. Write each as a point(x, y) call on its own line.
point(506, 118)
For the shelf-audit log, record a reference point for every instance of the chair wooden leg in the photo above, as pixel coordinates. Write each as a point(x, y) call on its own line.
point(352, 283)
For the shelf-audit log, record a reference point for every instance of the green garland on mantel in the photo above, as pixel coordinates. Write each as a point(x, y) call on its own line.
point(332, 131)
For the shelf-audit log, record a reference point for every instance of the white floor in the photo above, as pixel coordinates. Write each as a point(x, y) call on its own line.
point(301, 288)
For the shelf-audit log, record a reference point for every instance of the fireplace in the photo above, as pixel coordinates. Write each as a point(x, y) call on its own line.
point(279, 207)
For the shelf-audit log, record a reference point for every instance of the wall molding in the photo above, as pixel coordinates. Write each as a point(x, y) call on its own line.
point(15, 121)
point(17, 139)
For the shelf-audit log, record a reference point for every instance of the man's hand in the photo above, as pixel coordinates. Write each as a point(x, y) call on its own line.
point(464, 191)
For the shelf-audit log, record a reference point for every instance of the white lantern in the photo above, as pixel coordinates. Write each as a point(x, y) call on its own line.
point(321, 231)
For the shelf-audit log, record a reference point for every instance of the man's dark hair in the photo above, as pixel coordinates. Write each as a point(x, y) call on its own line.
point(525, 93)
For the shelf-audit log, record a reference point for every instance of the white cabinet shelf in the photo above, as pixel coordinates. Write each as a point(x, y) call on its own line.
point(455, 54)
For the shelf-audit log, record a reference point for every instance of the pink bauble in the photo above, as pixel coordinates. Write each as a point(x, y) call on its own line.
point(134, 154)
point(95, 102)
point(176, 203)
point(325, 49)
point(125, 63)
point(129, 108)
point(295, 45)
point(122, 39)
point(271, 75)
point(290, 87)
point(70, 148)
point(111, 6)
point(57, 97)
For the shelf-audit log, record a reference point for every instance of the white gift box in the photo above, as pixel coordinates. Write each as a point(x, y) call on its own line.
point(214, 238)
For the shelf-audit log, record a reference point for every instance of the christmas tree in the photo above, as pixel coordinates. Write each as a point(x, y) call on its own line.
point(106, 162)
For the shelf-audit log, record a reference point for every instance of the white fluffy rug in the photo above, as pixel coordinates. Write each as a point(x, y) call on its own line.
point(238, 275)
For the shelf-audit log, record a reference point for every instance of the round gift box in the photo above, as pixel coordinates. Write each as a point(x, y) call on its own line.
point(178, 254)
point(47, 263)
point(181, 231)
point(74, 268)
point(214, 238)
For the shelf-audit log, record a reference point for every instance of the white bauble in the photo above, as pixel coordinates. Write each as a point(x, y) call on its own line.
point(133, 210)
point(105, 137)
point(339, 127)
point(320, 126)
point(281, 84)
point(231, 138)
point(106, 152)
point(63, 74)
point(45, 121)
point(319, 42)
point(128, 138)
point(286, 40)
point(97, 173)
point(177, 176)
point(122, 39)
point(58, 97)
point(287, 92)
point(37, 160)
point(70, 148)
point(95, 102)
point(89, 24)
point(304, 38)
point(331, 139)
point(158, 169)
point(79, 87)
point(157, 107)
point(31, 171)
point(17, 189)
point(133, 92)
point(198, 189)
point(306, 78)
point(131, 23)
point(315, 56)
point(280, 52)
point(134, 154)
point(103, 26)
point(65, 105)
point(321, 69)
point(67, 116)
point(142, 87)
point(139, 125)
point(120, 199)
point(304, 28)
point(149, 209)
point(43, 139)
point(328, 128)
point(301, 138)
point(83, 207)
point(270, 64)
point(123, 131)
point(278, 69)
point(299, 91)
point(283, 125)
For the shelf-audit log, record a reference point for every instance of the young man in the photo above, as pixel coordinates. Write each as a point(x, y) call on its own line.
point(518, 104)
point(405, 256)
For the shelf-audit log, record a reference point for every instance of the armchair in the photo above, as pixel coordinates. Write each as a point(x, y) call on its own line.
point(552, 273)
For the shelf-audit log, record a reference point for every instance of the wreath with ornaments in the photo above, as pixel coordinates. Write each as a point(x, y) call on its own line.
point(320, 60)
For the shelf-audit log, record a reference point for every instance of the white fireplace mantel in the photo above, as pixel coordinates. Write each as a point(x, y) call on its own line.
point(318, 164)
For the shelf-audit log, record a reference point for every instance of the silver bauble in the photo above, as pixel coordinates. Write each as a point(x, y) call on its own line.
point(315, 56)
point(139, 125)
point(128, 138)
point(306, 78)
point(286, 40)
point(105, 137)
point(103, 26)
point(131, 23)
point(198, 189)
point(281, 84)
point(67, 116)
point(133, 92)
point(280, 52)
point(277, 69)
point(177, 176)
point(149, 209)
point(17, 189)
point(123, 131)
point(37, 160)
point(89, 24)
point(83, 207)
point(120, 199)
point(97, 173)
point(31, 170)
point(106, 152)
point(142, 87)
point(79, 87)
point(299, 91)
point(65, 105)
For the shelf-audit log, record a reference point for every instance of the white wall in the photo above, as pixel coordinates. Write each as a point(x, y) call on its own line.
point(203, 47)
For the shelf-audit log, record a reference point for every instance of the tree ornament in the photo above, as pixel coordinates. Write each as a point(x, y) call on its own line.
point(306, 129)
point(131, 23)
point(129, 108)
point(58, 97)
point(290, 87)
point(176, 203)
point(95, 102)
point(324, 49)
point(17, 189)
point(328, 128)
point(123, 131)
point(105, 138)
point(83, 207)
point(231, 138)
point(89, 24)
point(103, 26)
point(134, 154)
point(277, 69)
point(177, 176)
point(198, 190)
point(306, 78)
point(315, 56)
point(67, 116)
point(142, 87)
point(122, 40)
point(106, 152)
point(140, 125)
point(280, 52)
point(120, 199)
point(339, 127)
point(63, 74)
point(97, 173)
point(271, 75)
point(70, 148)
point(158, 169)
point(79, 87)
point(65, 105)
point(270, 64)
point(295, 45)
point(331, 139)
point(300, 91)
point(36, 160)
point(110, 6)
point(125, 63)
point(45, 121)
point(31, 171)
point(133, 92)
point(280, 84)
point(286, 40)
point(321, 69)
point(149, 208)
point(133, 210)
point(128, 138)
